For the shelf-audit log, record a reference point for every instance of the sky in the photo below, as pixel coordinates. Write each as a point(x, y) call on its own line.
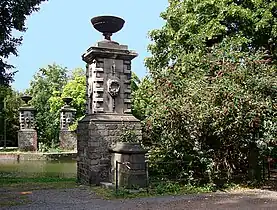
point(61, 32)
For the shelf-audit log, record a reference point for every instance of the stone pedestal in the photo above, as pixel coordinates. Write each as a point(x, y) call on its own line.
point(108, 107)
point(68, 139)
point(27, 135)
point(27, 140)
point(96, 134)
point(129, 165)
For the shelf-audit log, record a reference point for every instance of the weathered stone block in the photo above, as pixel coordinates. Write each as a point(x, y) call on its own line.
point(68, 140)
point(95, 148)
point(129, 159)
point(27, 140)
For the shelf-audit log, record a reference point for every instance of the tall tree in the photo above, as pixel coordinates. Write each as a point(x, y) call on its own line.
point(13, 14)
point(74, 88)
point(213, 91)
point(47, 82)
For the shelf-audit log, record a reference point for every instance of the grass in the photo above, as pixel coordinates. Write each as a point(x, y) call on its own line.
point(162, 189)
point(12, 183)
point(9, 149)
point(36, 183)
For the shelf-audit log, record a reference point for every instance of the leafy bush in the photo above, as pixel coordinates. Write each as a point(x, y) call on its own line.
point(210, 97)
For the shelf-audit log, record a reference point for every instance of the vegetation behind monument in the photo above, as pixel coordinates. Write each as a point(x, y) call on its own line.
point(13, 15)
point(210, 97)
point(48, 87)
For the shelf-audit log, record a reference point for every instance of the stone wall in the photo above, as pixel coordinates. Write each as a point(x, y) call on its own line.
point(68, 140)
point(27, 140)
point(95, 137)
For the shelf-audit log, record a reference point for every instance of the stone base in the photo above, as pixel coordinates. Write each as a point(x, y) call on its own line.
point(95, 135)
point(131, 167)
point(68, 140)
point(27, 140)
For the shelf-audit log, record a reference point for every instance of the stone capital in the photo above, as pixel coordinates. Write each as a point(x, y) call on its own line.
point(108, 50)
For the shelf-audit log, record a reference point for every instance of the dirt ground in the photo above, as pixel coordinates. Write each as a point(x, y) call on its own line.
point(82, 198)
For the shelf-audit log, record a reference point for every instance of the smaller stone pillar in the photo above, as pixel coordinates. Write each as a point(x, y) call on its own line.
point(128, 162)
point(68, 139)
point(27, 135)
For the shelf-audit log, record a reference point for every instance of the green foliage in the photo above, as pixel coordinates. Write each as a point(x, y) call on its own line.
point(14, 182)
point(46, 82)
point(76, 89)
point(13, 102)
point(13, 14)
point(54, 147)
point(163, 188)
point(210, 97)
point(128, 135)
point(48, 88)
point(10, 114)
point(141, 99)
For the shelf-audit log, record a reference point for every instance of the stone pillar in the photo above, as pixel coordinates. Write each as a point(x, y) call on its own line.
point(27, 135)
point(108, 77)
point(68, 139)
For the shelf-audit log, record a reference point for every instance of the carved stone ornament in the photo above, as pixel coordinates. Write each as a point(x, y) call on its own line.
point(113, 87)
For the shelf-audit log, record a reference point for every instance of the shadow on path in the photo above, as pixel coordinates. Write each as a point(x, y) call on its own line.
point(82, 198)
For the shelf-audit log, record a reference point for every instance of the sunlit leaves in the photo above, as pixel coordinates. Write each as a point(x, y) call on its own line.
point(212, 81)
point(13, 14)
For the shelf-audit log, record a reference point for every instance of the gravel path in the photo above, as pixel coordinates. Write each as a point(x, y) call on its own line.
point(81, 198)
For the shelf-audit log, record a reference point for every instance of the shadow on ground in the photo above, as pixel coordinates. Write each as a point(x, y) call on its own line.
point(83, 198)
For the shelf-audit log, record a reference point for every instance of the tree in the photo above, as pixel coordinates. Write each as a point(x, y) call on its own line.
point(46, 82)
point(74, 88)
point(13, 14)
point(211, 97)
point(11, 115)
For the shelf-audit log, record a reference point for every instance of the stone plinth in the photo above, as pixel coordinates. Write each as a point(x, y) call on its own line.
point(131, 167)
point(27, 135)
point(68, 139)
point(27, 140)
point(96, 134)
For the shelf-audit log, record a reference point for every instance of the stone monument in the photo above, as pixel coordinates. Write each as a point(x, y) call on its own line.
point(68, 139)
point(108, 77)
point(27, 135)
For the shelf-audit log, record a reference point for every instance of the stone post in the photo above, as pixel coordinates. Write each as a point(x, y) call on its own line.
point(108, 77)
point(132, 170)
point(68, 139)
point(27, 135)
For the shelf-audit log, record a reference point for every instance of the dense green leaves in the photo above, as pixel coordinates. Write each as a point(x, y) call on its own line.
point(10, 114)
point(13, 14)
point(74, 88)
point(47, 82)
point(211, 92)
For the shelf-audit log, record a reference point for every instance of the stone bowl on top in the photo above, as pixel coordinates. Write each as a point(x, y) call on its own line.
point(67, 100)
point(26, 98)
point(107, 25)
